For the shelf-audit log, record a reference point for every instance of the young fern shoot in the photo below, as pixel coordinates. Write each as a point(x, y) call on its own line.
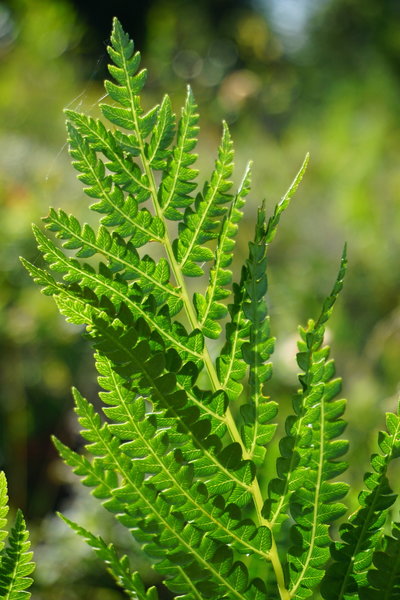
point(178, 461)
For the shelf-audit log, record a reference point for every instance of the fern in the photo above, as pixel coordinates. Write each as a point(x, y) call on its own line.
point(15, 558)
point(362, 534)
point(179, 451)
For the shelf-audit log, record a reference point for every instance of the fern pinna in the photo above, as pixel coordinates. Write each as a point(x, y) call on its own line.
point(179, 449)
point(16, 563)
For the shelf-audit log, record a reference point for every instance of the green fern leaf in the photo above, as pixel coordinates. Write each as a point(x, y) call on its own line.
point(313, 498)
point(132, 357)
point(121, 255)
point(88, 135)
point(259, 410)
point(122, 212)
point(16, 564)
point(205, 463)
point(163, 133)
point(200, 224)
point(208, 307)
point(49, 285)
point(82, 306)
point(15, 558)
point(177, 182)
point(130, 114)
point(231, 366)
point(273, 222)
point(317, 382)
point(363, 531)
point(152, 278)
point(242, 534)
point(123, 430)
point(102, 480)
point(78, 310)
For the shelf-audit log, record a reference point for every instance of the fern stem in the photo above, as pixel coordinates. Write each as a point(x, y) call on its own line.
point(280, 578)
point(273, 552)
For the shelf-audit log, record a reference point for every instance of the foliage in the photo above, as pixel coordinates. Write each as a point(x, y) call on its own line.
point(179, 451)
point(15, 559)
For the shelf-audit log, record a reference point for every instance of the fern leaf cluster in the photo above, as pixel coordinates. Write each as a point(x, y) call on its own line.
point(179, 451)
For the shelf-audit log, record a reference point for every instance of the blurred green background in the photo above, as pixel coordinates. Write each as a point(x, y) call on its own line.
point(289, 76)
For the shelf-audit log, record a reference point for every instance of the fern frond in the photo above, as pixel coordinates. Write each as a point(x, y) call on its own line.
point(202, 426)
point(16, 563)
point(308, 454)
point(151, 441)
point(318, 384)
point(363, 531)
point(95, 475)
point(91, 135)
point(119, 567)
point(163, 133)
point(259, 410)
point(231, 366)
point(273, 222)
point(49, 285)
point(208, 307)
point(122, 212)
point(201, 223)
point(124, 70)
point(122, 257)
point(81, 306)
point(15, 559)
point(168, 387)
point(151, 278)
point(177, 182)
point(102, 285)
point(313, 497)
